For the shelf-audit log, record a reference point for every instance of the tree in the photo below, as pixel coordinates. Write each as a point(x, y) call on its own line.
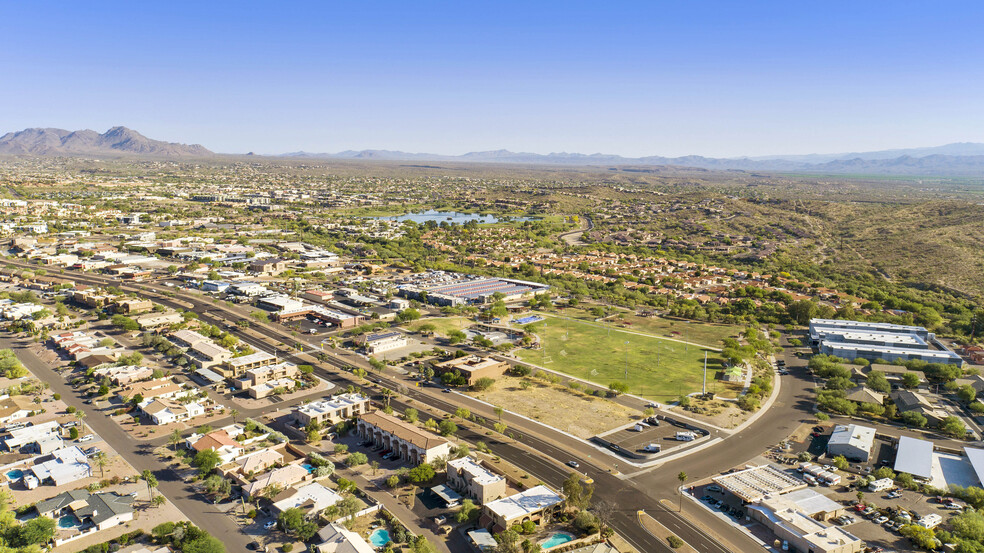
point(447, 427)
point(151, 480)
point(393, 481)
point(578, 495)
point(294, 523)
point(206, 460)
point(841, 462)
point(483, 384)
point(158, 500)
point(910, 380)
point(877, 382)
point(218, 486)
point(407, 315)
point(508, 542)
point(966, 393)
point(953, 427)
point(802, 311)
point(498, 412)
point(356, 459)
point(456, 337)
point(468, 512)
point(617, 388)
point(410, 414)
point(922, 537)
point(462, 413)
point(682, 477)
point(421, 473)
point(913, 418)
point(39, 530)
point(174, 439)
point(374, 467)
point(101, 462)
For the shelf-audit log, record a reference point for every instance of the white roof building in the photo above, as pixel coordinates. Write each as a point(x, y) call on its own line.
point(915, 457)
point(526, 504)
point(312, 497)
point(852, 441)
point(67, 465)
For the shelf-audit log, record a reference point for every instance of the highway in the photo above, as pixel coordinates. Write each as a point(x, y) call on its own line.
point(537, 449)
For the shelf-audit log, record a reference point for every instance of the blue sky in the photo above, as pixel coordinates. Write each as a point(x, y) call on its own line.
point(632, 78)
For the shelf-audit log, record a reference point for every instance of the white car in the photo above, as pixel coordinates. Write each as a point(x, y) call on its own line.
point(86, 438)
point(573, 464)
point(269, 525)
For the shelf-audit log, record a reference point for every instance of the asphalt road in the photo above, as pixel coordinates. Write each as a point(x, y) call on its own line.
point(626, 494)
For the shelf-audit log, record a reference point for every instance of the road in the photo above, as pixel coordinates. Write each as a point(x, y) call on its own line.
point(539, 450)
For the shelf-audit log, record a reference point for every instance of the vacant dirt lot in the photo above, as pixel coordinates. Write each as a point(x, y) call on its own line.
point(557, 406)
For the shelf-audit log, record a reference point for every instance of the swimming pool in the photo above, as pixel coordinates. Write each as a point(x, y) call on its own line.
point(560, 538)
point(379, 537)
point(308, 467)
point(14, 474)
point(69, 521)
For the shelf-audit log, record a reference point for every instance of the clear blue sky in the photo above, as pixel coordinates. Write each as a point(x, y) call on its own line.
point(633, 78)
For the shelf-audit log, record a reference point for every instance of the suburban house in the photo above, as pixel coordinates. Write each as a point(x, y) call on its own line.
point(94, 511)
point(220, 442)
point(284, 477)
point(165, 411)
point(331, 410)
point(410, 443)
point(14, 408)
point(311, 498)
point(471, 479)
point(334, 538)
point(65, 466)
point(531, 504)
point(907, 400)
point(473, 367)
point(383, 341)
point(158, 388)
point(864, 394)
point(256, 461)
point(16, 439)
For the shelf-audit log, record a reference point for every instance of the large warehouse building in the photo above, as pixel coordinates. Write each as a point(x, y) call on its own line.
point(872, 341)
point(440, 288)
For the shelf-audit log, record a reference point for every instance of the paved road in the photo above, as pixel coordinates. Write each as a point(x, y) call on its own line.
point(137, 453)
point(542, 452)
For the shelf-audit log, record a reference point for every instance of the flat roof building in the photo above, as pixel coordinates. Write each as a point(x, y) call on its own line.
point(753, 484)
point(852, 441)
point(383, 341)
point(470, 478)
point(872, 341)
point(331, 410)
point(473, 367)
point(529, 504)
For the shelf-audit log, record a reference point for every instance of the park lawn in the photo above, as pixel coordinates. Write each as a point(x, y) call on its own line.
point(552, 404)
point(708, 334)
point(652, 367)
point(444, 325)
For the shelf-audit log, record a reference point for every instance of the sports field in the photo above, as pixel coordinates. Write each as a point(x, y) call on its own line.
point(653, 367)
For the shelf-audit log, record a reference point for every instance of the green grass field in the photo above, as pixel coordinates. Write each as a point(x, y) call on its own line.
point(707, 334)
point(653, 367)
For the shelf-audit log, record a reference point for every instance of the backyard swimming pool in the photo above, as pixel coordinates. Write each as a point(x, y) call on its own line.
point(69, 521)
point(560, 538)
point(14, 474)
point(379, 537)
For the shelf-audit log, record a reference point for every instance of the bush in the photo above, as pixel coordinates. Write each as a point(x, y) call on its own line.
point(674, 542)
point(356, 459)
point(287, 547)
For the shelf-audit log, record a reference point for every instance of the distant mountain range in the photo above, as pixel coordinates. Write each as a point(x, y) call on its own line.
point(115, 141)
point(963, 158)
point(958, 159)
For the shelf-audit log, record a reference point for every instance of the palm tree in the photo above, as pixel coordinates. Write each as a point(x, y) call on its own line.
point(682, 477)
point(151, 480)
point(101, 462)
point(174, 439)
point(235, 415)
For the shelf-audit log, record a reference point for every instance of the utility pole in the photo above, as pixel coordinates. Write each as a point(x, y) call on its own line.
point(703, 387)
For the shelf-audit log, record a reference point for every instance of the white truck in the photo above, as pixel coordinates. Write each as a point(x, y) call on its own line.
point(685, 436)
point(652, 448)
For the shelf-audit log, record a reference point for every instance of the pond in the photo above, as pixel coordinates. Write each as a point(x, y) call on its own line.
point(379, 537)
point(560, 538)
point(448, 217)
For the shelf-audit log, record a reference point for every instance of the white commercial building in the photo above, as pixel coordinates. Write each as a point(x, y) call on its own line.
point(852, 441)
point(530, 504)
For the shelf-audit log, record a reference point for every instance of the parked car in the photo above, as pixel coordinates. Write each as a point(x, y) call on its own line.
point(270, 524)
point(881, 520)
point(86, 438)
point(713, 488)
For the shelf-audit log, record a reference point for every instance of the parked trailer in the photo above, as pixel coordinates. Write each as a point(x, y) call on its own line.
point(685, 436)
point(804, 467)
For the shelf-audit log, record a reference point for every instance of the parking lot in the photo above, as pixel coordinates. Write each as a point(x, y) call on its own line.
point(635, 441)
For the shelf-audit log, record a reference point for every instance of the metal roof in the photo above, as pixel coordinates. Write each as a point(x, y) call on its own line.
point(976, 457)
point(915, 457)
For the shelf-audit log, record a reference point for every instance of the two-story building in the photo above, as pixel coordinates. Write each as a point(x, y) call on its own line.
point(408, 442)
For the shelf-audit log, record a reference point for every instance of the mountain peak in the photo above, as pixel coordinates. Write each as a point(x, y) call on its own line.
point(115, 141)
